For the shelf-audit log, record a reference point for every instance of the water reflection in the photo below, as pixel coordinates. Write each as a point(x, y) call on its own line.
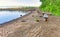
point(6, 16)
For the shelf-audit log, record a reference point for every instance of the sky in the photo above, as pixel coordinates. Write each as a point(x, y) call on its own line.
point(19, 3)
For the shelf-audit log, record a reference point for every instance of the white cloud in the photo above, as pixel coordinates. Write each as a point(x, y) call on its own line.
point(12, 3)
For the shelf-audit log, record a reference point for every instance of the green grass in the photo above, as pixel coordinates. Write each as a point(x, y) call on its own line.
point(52, 6)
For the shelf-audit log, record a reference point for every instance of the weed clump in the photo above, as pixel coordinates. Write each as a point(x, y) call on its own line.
point(36, 19)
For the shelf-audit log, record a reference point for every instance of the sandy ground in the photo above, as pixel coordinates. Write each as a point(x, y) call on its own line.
point(28, 27)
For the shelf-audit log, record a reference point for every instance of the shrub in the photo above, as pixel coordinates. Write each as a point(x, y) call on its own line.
point(52, 6)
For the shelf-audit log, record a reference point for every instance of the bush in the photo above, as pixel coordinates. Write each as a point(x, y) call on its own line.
point(52, 6)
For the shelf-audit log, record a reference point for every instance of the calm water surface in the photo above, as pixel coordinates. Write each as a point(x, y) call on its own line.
point(6, 16)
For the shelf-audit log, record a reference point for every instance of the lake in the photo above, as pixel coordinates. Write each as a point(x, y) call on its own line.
point(6, 16)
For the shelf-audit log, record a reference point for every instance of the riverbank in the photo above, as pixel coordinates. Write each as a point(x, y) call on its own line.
point(28, 13)
point(27, 26)
point(11, 25)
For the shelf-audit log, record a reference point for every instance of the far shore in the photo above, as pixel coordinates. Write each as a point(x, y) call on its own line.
point(19, 9)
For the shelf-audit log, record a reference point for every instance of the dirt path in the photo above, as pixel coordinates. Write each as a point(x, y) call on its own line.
point(31, 28)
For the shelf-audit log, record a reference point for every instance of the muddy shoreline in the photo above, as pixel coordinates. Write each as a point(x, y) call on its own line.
point(20, 18)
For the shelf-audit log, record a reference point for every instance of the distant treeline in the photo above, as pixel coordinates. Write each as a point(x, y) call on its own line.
point(18, 9)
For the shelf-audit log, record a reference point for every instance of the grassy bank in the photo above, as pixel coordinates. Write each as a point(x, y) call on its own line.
point(52, 6)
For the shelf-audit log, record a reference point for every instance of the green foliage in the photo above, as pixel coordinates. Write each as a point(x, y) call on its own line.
point(37, 20)
point(52, 6)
